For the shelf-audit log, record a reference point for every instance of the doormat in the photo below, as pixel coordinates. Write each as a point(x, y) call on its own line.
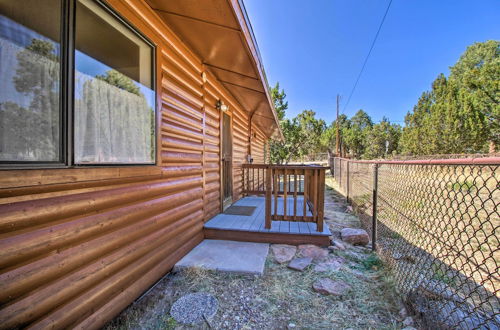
point(240, 210)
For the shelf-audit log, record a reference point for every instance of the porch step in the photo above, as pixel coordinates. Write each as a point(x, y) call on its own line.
point(226, 256)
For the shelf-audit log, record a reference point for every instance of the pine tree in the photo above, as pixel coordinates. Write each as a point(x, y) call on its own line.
point(461, 113)
point(278, 98)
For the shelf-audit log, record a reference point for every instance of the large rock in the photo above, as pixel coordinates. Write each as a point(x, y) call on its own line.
point(300, 263)
point(355, 236)
point(312, 251)
point(327, 286)
point(283, 253)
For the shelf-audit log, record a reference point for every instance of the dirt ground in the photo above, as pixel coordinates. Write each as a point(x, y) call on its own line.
point(282, 298)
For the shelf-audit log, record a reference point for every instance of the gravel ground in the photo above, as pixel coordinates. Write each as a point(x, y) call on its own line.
point(282, 298)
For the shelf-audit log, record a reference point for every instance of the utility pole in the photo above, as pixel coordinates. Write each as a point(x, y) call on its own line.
point(338, 131)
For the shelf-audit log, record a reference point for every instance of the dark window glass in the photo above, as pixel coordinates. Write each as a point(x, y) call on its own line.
point(30, 56)
point(114, 97)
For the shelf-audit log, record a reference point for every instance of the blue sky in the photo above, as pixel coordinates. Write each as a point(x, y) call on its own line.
point(315, 49)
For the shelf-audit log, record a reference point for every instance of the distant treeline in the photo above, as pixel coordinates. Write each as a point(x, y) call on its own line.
point(459, 114)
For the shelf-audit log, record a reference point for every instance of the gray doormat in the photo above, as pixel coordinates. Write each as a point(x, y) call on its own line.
point(240, 210)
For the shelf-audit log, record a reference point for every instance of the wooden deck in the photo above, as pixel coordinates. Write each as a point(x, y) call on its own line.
point(252, 229)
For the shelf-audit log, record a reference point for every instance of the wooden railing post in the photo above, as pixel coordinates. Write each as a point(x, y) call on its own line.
point(285, 193)
point(268, 197)
point(321, 200)
point(295, 192)
point(315, 195)
point(306, 192)
point(276, 188)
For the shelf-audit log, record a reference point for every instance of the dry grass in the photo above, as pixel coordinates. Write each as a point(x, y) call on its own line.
point(275, 300)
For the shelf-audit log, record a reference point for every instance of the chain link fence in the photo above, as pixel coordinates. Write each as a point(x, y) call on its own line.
point(437, 225)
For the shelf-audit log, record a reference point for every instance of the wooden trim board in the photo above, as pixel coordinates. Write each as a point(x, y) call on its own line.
point(259, 237)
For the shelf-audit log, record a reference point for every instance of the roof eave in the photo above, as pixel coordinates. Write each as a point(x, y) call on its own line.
point(241, 15)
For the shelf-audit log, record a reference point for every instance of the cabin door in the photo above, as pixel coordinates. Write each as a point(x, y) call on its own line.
point(227, 161)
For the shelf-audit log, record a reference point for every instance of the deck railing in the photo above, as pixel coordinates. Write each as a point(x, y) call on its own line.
point(293, 192)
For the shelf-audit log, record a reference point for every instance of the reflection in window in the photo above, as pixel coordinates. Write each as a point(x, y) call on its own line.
point(30, 80)
point(114, 97)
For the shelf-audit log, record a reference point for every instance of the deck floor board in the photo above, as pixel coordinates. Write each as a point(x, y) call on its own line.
point(256, 222)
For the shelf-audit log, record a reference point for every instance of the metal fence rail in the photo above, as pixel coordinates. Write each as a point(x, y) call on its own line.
point(437, 224)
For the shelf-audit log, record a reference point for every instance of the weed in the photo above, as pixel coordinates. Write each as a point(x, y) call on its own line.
point(441, 275)
point(372, 262)
point(465, 185)
point(394, 235)
point(169, 324)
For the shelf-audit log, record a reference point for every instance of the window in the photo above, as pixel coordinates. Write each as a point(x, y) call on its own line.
point(114, 100)
point(30, 57)
point(112, 103)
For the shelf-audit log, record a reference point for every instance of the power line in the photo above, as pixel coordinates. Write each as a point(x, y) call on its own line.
point(367, 56)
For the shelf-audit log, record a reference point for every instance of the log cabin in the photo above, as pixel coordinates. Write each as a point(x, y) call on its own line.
point(127, 127)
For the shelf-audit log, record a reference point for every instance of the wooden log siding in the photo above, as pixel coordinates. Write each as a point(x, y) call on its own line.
point(240, 150)
point(257, 145)
point(78, 245)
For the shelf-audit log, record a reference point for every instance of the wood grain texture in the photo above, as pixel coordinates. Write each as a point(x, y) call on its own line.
point(270, 237)
point(77, 245)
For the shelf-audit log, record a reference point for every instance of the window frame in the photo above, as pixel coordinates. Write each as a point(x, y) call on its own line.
point(67, 99)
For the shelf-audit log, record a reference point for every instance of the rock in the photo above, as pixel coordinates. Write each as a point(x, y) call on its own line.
point(397, 255)
point(349, 209)
point(409, 328)
point(283, 253)
point(312, 251)
point(333, 248)
point(338, 244)
point(327, 286)
point(403, 313)
point(300, 263)
point(331, 265)
point(194, 308)
point(408, 321)
point(291, 325)
point(355, 236)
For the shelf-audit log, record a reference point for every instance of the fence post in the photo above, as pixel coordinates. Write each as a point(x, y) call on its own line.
point(374, 207)
point(340, 173)
point(348, 181)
